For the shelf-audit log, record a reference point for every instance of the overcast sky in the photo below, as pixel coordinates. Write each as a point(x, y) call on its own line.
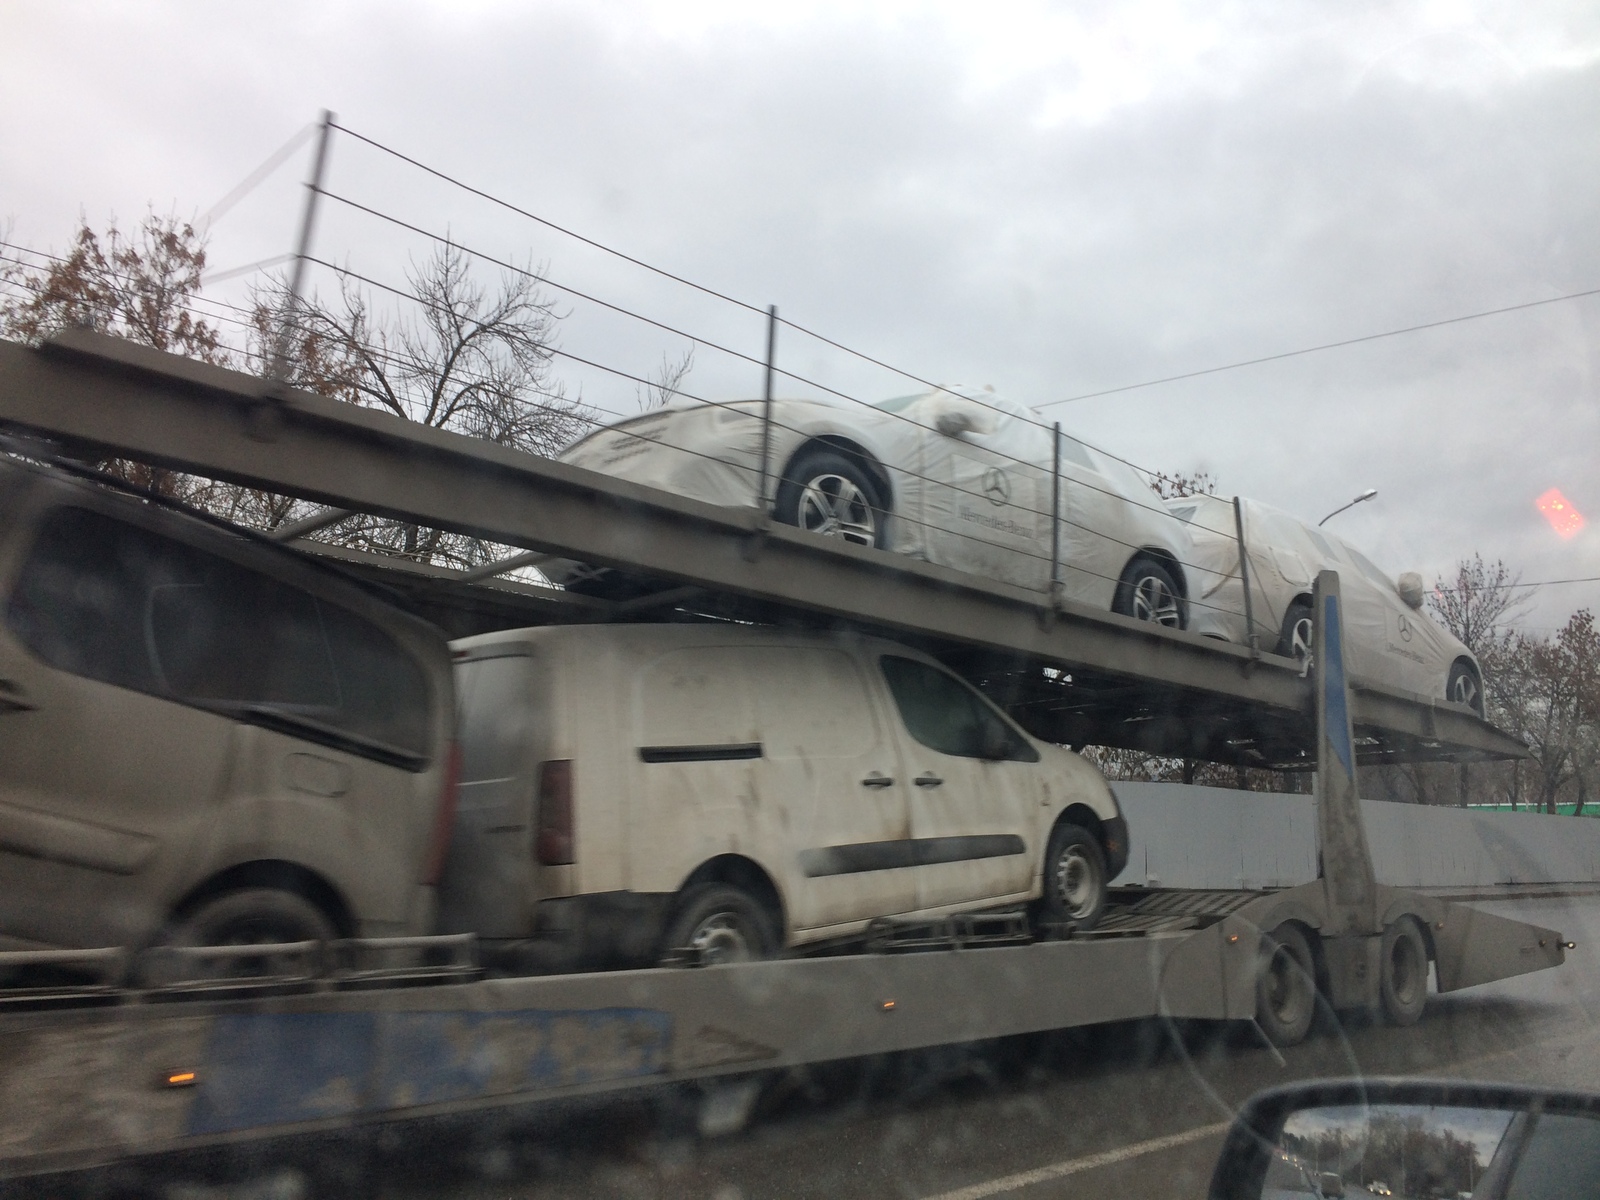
point(1054, 200)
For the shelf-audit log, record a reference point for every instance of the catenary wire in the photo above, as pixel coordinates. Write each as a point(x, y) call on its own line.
point(568, 355)
point(583, 418)
point(918, 379)
point(493, 199)
point(597, 423)
point(443, 239)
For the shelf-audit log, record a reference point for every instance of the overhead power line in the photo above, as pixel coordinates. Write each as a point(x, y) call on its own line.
point(1355, 341)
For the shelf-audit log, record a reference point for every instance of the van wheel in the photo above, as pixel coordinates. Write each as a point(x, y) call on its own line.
point(720, 924)
point(249, 917)
point(1286, 986)
point(1074, 878)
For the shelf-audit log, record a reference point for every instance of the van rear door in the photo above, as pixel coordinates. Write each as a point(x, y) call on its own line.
point(486, 887)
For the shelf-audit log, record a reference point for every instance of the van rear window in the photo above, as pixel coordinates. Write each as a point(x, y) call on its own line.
point(111, 601)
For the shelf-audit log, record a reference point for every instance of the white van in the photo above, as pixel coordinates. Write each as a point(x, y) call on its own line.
point(631, 791)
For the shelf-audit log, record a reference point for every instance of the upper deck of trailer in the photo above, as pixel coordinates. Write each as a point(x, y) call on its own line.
point(1112, 681)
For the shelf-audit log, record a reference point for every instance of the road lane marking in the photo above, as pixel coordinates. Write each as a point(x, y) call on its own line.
point(1072, 1166)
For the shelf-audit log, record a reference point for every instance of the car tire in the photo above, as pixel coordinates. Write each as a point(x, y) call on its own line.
point(1464, 686)
point(1286, 985)
point(1074, 877)
point(1295, 639)
point(719, 923)
point(1148, 592)
point(832, 494)
point(1403, 976)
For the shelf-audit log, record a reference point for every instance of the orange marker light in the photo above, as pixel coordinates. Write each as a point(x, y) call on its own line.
point(1558, 510)
point(180, 1079)
point(888, 1006)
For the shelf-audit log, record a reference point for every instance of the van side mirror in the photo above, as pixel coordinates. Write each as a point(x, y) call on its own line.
point(1409, 586)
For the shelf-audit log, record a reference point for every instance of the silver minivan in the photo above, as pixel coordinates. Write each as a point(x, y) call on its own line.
point(203, 737)
point(632, 791)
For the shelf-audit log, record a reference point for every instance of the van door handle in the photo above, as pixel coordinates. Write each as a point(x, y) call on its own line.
point(928, 781)
point(877, 780)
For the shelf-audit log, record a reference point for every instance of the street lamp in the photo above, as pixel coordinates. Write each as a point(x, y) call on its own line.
point(1366, 495)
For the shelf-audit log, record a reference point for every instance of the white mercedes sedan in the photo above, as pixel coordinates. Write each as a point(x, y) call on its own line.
point(1391, 640)
point(953, 476)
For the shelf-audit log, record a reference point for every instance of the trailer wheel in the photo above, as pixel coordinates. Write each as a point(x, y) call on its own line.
point(1403, 977)
point(721, 924)
point(1286, 986)
point(1074, 878)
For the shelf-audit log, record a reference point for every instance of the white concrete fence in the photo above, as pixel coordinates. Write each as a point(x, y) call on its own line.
point(1200, 837)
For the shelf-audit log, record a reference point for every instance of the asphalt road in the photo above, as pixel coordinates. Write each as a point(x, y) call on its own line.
point(1128, 1110)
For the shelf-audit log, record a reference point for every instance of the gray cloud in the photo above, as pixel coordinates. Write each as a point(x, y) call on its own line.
point(1080, 203)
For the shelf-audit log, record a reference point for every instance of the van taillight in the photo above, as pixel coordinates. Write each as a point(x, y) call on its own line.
point(444, 816)
point(552, 842)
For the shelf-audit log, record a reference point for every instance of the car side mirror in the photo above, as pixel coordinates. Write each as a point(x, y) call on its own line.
point(954, 422)
point(1410, 588)
point(1397, 1137)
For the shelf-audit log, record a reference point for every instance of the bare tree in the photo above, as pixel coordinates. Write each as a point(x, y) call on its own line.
point(1479, 603)
point(667, 382)
point(138, 286)
point(1179, 484)
point(469, 359)
point(1550, 694)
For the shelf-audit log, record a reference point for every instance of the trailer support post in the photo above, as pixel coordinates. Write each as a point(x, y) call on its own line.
point(1347, 875)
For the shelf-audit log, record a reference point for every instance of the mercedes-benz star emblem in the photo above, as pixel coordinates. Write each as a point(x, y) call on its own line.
point(996, 486)
point(1405, 627)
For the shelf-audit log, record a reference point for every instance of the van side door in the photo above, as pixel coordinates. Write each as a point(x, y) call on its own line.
point(831, 764)
point(777, 754)
point(975, 794)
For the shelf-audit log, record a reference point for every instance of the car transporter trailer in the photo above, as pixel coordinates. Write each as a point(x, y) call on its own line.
point(95, 1072)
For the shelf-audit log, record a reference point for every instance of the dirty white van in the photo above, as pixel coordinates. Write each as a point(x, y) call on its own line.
point(631, 791)
point(205, 738)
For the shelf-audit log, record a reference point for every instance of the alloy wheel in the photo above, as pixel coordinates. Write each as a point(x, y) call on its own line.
point(834, 506)
point(1154, 601)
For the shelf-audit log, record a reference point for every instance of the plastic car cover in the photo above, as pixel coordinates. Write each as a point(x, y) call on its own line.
point(1388, 642)
point(968, 472)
